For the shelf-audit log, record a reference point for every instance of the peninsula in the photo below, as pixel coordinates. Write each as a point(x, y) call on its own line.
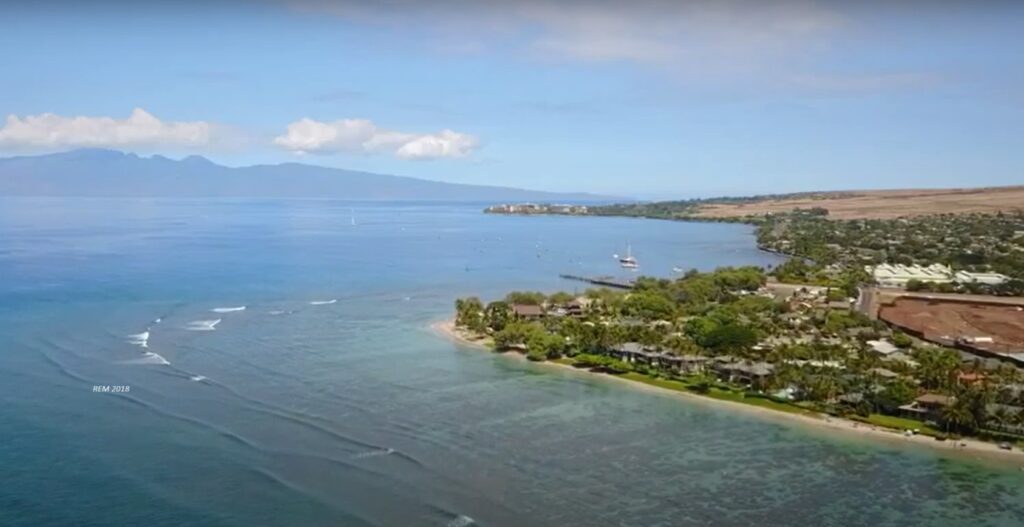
point(912, 323)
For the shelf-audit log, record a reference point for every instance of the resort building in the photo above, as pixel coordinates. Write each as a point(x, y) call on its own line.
point(636, 353)
point(897, 275)
point(966, 277)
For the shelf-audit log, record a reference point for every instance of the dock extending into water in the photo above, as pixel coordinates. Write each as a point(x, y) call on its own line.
point(606, 281)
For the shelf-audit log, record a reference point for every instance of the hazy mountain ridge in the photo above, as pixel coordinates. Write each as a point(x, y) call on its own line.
point(110, 173)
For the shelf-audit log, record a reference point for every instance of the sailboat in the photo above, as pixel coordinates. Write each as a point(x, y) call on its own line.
point(628, 262)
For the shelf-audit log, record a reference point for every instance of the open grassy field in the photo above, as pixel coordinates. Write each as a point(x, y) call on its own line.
point(881, 203)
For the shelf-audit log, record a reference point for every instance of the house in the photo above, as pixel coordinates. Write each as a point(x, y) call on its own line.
point(901, 357)
point(527, 311)
point(927, 407)
point(882, 347)
point(752, 374)
point(691, 363)
point(851, 399)
point(574, 308)
point(632, 352)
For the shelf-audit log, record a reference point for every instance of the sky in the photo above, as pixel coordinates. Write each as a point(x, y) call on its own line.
point(646, 99)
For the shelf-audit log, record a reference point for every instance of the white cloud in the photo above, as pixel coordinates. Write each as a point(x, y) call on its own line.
point(363, 136)
point(49, 131)
point(691, 36)
point(445, 143)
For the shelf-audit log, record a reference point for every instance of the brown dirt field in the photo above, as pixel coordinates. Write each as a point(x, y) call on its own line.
point(936, 319)
point(883, 203)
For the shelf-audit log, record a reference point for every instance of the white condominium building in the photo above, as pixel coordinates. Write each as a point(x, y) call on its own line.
point(897, 275)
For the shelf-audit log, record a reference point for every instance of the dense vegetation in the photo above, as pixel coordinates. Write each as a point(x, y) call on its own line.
point(819, 355)
point(837, 250)
point(686, 209)
point(834, 252)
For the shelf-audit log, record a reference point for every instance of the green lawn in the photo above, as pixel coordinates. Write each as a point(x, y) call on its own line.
point(735, 396)
point(897, 423)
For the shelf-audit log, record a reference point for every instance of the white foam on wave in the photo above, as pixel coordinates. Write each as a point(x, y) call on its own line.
point(158, 320)
point(150, 358)
point(323, 302)
point(461, 521)
point(197, 378)
point(203, 325)
point(228, 309)
point(140, 339)
point(374, 453)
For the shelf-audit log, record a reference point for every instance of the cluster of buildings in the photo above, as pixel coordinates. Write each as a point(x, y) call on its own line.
point(536, 208)
point(897, 275)
point(754, 374)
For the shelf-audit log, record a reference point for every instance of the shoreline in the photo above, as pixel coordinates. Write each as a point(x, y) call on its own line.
point(965, 447)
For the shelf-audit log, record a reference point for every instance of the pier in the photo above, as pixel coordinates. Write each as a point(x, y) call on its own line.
point(606, 281)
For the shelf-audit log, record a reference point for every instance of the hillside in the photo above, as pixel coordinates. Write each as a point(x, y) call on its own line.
point(879, 204)
point(107, 173)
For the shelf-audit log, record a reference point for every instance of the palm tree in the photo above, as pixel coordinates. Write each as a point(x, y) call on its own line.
point(1001, 418)
point(1018, 420)
point(958, 415)
point(937, 368)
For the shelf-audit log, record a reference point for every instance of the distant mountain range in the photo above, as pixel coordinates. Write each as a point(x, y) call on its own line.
point(109, 173)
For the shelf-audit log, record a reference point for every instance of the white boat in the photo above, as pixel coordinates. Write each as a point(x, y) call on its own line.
point(628, 262)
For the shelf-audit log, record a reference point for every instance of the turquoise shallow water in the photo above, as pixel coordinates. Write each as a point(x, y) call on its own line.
point(295, 411)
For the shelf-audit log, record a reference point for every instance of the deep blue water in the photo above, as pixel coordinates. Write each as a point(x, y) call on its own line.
point(296, 411)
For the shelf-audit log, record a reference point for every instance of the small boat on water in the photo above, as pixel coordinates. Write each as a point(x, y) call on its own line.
point(628, 261)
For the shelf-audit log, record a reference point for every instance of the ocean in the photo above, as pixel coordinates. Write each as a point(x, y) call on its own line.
point(263, 362)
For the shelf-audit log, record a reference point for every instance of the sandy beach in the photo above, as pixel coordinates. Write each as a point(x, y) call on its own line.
point(962, 448)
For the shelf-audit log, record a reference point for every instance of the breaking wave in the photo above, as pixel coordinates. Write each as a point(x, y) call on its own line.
point(197, 378)
point(323, 302)
point(141, 339)
point(461, 521)
point(203, 325)
point(374, 453)
point(228, 309)
point(150, 358)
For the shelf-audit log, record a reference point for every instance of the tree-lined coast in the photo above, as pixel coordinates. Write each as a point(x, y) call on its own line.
point(805, 337)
